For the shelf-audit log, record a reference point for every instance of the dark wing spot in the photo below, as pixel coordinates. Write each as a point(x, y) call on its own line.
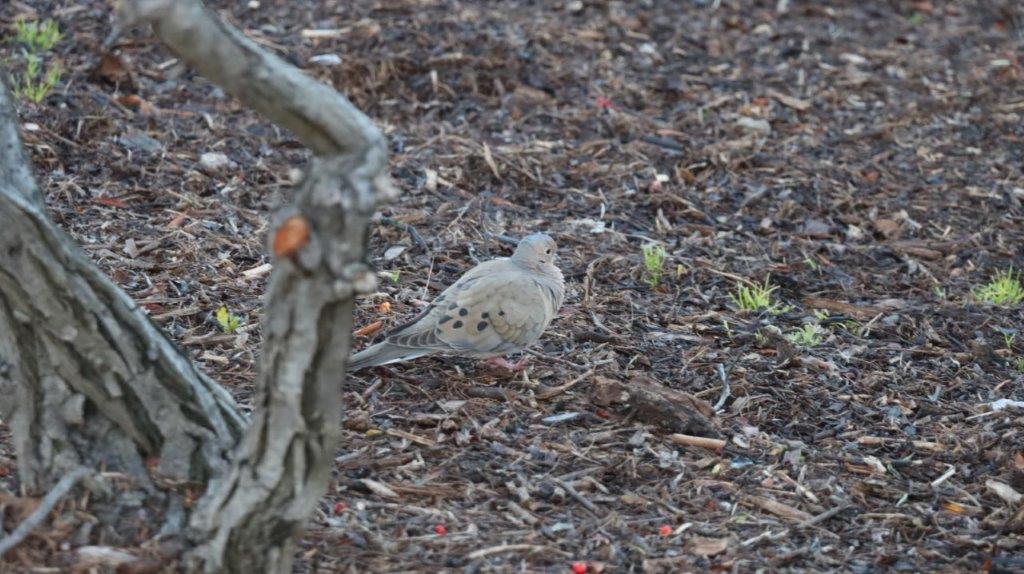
point(452, 306)
point(444, 319)
point(481, 325)
point(501, 313)
point(484, 315)
point(463, 312)
point(457, 325)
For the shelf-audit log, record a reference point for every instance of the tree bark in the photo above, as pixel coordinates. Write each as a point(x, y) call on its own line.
point(89, 366)
point(71, 342)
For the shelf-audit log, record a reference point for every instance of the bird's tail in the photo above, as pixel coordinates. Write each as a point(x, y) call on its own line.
point(382, 354)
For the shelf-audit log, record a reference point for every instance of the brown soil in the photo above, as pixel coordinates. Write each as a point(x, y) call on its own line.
point(867, 157)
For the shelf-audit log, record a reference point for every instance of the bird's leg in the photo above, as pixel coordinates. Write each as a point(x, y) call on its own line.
point(520, 364)
point(502, 363)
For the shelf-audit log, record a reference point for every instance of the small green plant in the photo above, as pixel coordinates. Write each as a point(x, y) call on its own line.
point(754, 297)
point(1004, 289)
point(37, 37)
point(1018, 365)
point(228, 321)
point(654, 264)
point(1008, 340)
point(810, 335)
point(36, 80)
point(33, 85)
point(391, 276)
point(821, 314)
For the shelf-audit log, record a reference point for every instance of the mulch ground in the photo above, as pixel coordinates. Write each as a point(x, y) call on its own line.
point(864, 157)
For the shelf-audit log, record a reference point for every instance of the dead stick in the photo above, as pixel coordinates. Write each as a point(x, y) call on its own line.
point(49, 501)
point(814, 520)
point(555, 391)
point(703, 442)
point(571, 491)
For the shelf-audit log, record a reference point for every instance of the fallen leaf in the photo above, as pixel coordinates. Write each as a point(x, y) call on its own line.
point(789, 101)
point(258, 271)
point(954, 507)
point(706, 546)
point(177, 221)
point(887, 227)
point(778, 508)
point(490, 161)
point(112, 68)
point(500, 202)
point(379, 488)
point(110, 202)
point(1004, 491)
point(292, 235)
point(369, 330)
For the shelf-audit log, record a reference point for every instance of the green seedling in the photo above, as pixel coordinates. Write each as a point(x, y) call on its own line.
point(36, 80)
point(810, 335)
point(939, 292)
point(1004, 289)
point(228, 321)
point(821, 314)
point(37, 37)
point(1008, 340)
point(1018, 365)
point(755, 297)
point(33, 85)
point(654, 264)
point(391, 276)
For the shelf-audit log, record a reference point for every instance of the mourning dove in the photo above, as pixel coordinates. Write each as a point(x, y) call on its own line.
point(499, 307)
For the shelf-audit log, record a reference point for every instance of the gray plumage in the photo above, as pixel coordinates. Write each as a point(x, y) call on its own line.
point(499, 307)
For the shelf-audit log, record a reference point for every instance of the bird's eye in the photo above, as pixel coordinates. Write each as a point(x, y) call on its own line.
point(548, 252)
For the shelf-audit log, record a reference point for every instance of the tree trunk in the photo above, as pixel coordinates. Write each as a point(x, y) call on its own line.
point(94, 382)
point(85, 376)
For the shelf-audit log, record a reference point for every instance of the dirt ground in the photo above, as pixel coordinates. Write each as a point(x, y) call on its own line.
point(867, 158)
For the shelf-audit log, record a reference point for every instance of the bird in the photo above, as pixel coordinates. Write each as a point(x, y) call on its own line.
point(497, 308)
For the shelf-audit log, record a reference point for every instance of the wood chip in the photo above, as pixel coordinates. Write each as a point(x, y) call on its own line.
point(379, 488)
point(790, 101)
point(777, 508)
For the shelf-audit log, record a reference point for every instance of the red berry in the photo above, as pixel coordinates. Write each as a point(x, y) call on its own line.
point(579, 568)
point(665, 531)
point(340, 507)
point(440, 530)
point(604, 103)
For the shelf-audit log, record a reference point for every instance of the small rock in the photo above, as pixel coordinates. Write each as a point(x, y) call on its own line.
point(326, 60)
point(214, 162)
point(139, 141)
point(393, 252)
point(816, 228)
point(93, 556)
point(755, 125)
point(853, 59)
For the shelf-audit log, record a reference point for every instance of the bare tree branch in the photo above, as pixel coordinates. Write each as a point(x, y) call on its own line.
point(248, 517)
point(318, 115)
point(45, 506)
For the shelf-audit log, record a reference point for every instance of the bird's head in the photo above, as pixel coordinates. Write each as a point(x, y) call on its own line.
point(537, 251)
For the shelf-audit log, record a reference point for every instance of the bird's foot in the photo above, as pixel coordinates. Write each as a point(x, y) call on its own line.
point(502, 363)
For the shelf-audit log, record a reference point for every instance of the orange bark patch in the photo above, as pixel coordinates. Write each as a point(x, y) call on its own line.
point(291, 236)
